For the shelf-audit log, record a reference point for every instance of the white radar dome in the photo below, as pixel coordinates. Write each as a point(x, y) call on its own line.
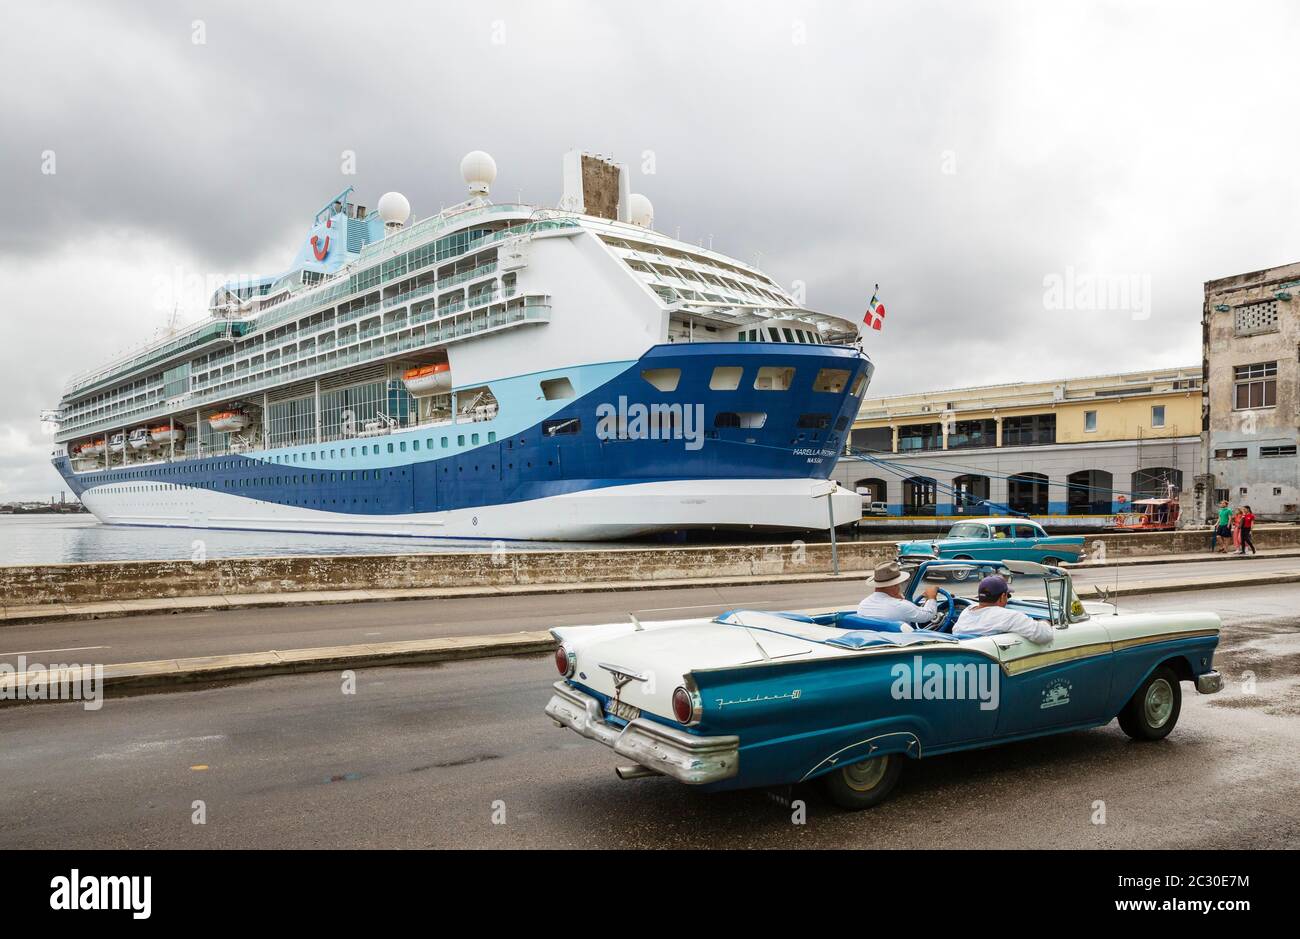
point(479, 170)
point(394, 209)
point(640, 211)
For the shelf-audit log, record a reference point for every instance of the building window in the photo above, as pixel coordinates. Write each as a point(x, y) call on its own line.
point(1029, 430)
point(919, 495)
point(978, 433)
point(1089, 492)
point(1158, 415)
point(1255, 386)
point(1234, 453)
point(1221, 495)
point(872, 489)
point(920, 437)
point(1277, 451)
point(1089, 421)
point(879, 439)
point(1254, 318)
point(969, 494)
point(1027, 492)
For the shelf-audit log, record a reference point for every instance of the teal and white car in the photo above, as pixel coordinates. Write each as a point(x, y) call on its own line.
point(994, 539)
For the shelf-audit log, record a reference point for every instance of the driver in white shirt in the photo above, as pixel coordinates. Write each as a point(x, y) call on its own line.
point(887, 601)
point(991, 617)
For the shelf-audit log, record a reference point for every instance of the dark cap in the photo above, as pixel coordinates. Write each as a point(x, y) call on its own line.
point(992, 588)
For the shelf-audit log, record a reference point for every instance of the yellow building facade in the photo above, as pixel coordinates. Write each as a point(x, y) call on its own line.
point(1076, 446)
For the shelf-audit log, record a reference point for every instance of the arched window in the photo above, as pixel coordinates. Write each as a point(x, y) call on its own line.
point(872, 489)
point(1088, 492)
point(969, 491)
point(1027, 492)
point(919, 495)
point(1157, 482)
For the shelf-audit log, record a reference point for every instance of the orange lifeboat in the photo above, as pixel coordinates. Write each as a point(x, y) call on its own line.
point(166, 434)
point(93, 447)
point(425, 380)
point(227, 422)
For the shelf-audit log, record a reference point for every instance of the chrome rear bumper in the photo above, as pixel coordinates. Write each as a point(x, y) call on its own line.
point(1209, 683)
point(685, 757)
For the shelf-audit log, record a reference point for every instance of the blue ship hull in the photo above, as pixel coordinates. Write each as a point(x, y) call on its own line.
point(429, 477)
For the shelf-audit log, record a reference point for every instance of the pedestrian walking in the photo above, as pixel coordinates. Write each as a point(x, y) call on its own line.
point(1221, 529)
point(1235, 525)
point(1247, 523)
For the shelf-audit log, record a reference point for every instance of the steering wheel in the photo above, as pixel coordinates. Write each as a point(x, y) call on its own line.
point(948, 607)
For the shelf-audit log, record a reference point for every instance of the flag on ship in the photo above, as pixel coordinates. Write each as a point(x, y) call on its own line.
point(875, 317)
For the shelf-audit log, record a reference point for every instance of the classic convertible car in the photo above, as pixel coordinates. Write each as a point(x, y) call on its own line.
point(994, 539)
point(752, 699)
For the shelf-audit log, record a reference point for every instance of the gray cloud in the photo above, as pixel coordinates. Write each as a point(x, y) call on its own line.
point(1107, 139)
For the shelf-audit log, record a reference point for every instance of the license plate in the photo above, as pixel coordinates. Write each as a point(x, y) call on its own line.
point(622, 710)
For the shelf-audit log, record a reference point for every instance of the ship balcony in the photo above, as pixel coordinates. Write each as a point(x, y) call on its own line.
point(292, 367)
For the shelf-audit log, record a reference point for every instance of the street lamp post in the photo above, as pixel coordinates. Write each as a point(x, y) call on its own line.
point(827, 487)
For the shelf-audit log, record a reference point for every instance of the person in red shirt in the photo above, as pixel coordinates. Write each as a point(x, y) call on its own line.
point(1247, 523)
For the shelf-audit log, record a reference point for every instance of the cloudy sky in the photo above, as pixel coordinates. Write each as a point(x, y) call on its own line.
point(989, 164)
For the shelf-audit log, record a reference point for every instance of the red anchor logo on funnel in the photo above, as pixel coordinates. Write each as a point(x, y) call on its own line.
point(319, 248)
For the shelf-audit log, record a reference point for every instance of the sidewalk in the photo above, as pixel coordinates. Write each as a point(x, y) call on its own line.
point(1181, 558)
point(188, 672)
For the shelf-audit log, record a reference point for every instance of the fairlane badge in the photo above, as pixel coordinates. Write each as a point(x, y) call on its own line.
point(792, 696)
point(1056, 693)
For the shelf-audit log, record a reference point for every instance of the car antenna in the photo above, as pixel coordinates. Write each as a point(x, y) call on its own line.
point(635, 622)
point(754, 639)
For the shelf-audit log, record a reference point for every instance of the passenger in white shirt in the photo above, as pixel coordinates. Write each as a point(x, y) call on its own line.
point(991, 617)
point(887, 601)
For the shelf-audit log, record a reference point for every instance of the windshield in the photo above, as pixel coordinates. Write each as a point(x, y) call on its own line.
point(1035, 594)
point(966, 530)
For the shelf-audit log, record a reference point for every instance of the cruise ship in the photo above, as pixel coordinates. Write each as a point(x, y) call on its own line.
point(494, 371)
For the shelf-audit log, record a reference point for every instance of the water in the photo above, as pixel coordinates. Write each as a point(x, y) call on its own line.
point(60, 539)
point(63, 539)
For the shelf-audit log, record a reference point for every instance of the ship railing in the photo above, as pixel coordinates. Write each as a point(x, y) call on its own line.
point(293, 366)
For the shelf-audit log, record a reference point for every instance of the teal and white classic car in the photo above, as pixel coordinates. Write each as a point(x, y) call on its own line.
point(994, 539)
point(752, 698)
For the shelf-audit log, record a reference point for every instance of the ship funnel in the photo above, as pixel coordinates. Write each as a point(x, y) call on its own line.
point(394, 210)
point(479, 170)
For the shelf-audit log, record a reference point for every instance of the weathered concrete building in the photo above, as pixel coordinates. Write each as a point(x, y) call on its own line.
point(1250, 329)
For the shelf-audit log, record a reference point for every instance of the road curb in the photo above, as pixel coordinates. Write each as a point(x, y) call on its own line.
point(1089, 591)
point(184, 673)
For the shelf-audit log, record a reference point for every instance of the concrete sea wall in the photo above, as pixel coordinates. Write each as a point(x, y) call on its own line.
point(34, 585)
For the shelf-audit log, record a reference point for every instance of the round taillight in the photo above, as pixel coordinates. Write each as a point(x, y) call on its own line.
point(564, 660)
point(682, 706)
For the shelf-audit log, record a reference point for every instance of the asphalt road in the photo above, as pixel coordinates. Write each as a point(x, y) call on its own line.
point(220, 632)
point(424, 757)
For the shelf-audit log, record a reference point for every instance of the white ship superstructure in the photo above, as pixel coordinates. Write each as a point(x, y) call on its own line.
point(492, 371)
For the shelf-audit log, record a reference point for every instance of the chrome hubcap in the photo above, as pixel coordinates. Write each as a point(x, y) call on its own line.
point(1159, 703)
point(866, 775)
